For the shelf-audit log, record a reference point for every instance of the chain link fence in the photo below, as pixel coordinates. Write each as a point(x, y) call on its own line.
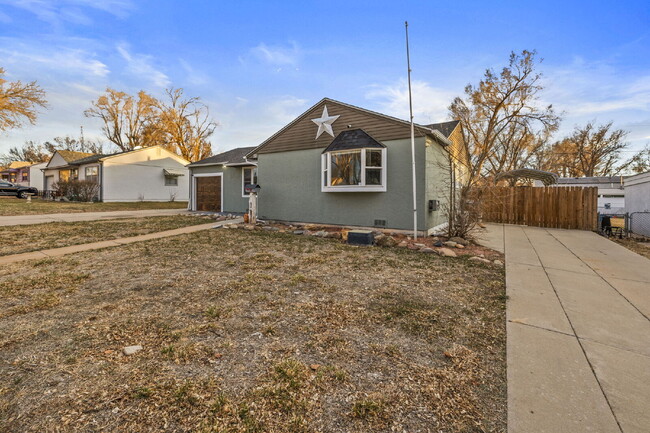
point(639, 224)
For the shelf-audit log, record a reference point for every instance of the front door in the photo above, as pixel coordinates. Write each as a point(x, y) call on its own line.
point(208, 193)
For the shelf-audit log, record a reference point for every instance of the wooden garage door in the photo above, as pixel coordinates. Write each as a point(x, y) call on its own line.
point(208, 193)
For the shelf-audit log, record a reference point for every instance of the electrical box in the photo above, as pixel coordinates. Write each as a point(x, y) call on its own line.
point(433, 205)
point(361, 237)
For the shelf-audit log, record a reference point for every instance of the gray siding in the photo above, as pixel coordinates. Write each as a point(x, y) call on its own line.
point(291, 190)
point(438, 183)
point(232, 200)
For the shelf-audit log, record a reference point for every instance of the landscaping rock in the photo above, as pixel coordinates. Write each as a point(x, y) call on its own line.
point(446, 252)
point(450, 244)
point(460, 246)
point(130, 350)
point(420, 245)
point(427, 250)
point(403, 244)
point(458, 240)
point(479, 259)
point(437, 243)
point(298, 232)
point(386, 241)
point(498, 262)
point(321, 234)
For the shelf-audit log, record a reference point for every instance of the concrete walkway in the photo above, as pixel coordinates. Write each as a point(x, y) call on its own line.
point(85, 216)
point(57, 252)
point(578, 332)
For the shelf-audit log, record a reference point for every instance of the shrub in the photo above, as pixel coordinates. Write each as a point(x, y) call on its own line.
point(77, 190)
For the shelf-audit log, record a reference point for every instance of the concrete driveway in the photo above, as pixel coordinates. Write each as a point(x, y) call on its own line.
point(578, 331)
point(85, 216)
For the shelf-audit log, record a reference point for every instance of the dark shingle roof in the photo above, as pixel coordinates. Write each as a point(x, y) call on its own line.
point(352, 139)
point(446, 128)
point(90, 159)
point(234, 156)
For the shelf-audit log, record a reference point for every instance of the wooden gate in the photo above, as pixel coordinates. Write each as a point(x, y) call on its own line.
point(208, 193)
point(554, 207)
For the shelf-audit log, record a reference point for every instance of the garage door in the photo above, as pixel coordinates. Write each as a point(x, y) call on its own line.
point(208, 193)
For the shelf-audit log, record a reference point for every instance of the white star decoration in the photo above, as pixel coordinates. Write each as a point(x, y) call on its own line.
point(325, 123)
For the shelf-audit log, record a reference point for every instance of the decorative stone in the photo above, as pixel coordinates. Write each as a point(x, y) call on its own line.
point(479, 259)
point(450, 244)
point(458, 240)
point(446, 252)
point(427, 250)
point(298, 232)
point(460, 246)
point(498, 262)
point(403, 244)
point(130, 350)
point(437, 243)
point(385, 241)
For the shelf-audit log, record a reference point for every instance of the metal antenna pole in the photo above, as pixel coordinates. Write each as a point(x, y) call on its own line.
point(415, 200)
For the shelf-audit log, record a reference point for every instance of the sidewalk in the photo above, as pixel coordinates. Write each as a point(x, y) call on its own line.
point(578, 332)
point(57, 252)
point(85, 216)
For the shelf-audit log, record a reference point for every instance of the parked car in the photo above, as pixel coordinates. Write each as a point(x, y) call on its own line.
point(8, 188)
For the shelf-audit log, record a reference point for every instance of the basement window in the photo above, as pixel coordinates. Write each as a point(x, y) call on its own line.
point(354, 170)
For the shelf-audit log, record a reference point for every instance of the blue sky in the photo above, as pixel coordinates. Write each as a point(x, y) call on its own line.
point(258, 64)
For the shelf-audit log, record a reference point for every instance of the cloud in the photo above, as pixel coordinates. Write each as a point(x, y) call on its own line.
point(71, 11)
point(141, 66)
point(277, 55)
point(193, 76)
point(429, 103)
point(242, 123)
point(73, 62)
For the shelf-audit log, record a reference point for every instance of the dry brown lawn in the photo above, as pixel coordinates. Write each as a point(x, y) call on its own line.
point(252, 332)
point(13, 206)
point(22, 239)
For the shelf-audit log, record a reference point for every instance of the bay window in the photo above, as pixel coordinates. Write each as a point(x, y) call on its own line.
point(354, 170)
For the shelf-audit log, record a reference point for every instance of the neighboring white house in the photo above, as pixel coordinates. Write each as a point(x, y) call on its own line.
point(145, 174)
point(36, 175)
point(637, 202)
point(611, 195)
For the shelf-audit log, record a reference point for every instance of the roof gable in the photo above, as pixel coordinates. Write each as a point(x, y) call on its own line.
point(353, 139)
point(233, 156)
point(301, 133)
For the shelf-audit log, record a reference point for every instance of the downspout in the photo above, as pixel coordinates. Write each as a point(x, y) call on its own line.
point(101, 182)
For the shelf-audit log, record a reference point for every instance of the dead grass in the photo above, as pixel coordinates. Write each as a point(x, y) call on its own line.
point(641, 247)
point(22, 239)
point(13, 206)
point(253, 332)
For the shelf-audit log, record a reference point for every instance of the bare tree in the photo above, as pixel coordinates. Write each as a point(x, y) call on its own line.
point(30, 152)
point(71, 143)
point(18, 102)
point(184, 125)
point(589, 151)
point(503, 122)
point(126, 119)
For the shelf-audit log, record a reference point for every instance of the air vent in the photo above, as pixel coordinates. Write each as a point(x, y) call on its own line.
point(380, 223)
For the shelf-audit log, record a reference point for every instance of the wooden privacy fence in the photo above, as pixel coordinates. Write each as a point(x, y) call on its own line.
point(554, 207)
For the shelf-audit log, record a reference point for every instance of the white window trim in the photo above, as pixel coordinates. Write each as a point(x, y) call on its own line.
point(243, 194)
point(326, 164)
point(194, 176)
